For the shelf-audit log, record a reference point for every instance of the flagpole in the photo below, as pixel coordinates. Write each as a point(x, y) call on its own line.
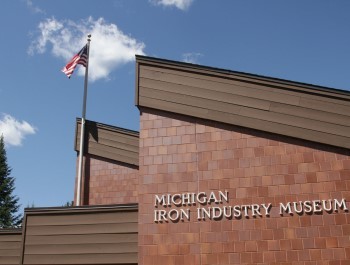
point(82, 128)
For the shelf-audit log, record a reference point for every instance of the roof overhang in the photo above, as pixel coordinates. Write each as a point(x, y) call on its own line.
point(109, 142)
point(293, 109)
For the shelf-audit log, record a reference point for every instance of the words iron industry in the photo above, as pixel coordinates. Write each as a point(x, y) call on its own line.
point(215, 206)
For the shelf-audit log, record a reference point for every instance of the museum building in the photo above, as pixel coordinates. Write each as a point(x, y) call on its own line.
point(227, 168)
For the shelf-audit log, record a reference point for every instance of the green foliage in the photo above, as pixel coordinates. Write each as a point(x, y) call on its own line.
point(8, 202)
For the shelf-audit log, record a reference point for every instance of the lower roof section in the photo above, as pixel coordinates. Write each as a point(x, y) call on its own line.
point(109, 142)
point(80, 235)
point(293, 109)
point(10, 246)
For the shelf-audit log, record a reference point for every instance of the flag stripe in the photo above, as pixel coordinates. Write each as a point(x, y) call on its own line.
point(80, 58)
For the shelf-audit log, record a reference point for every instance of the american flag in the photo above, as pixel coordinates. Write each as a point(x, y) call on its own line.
point(80, 58)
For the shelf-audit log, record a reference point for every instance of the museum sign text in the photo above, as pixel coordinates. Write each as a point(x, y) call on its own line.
point(215, 206)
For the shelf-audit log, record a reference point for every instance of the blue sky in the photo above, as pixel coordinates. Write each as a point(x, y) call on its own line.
point(304, 41)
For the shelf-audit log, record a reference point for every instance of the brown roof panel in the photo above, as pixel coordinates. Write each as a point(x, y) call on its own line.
point(10, 246)
point(298, 110)
point(110, 142)
point(81, 235)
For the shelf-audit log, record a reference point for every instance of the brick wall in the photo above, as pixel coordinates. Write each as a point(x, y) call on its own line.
point(180, 156)
point(108, 182)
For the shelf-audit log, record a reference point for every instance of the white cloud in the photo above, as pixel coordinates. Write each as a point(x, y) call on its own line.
point(33, 8)
point(14, 131)
point(191, 57)
point(180, 4)
point(109, 47)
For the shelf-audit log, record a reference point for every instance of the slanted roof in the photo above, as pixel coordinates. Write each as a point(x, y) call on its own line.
point(109, 142)
point(294, 109)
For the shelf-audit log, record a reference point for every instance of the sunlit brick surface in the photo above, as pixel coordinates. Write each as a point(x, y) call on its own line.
point(110, 183)
point(179, 156)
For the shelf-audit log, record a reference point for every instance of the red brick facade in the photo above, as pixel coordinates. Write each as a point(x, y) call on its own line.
point(180, 156)
point(109, 182)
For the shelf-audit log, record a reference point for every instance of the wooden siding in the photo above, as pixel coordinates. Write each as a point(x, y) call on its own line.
point(109, 142)
point(10, 246)
point(283, 107)
point(81, 235)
